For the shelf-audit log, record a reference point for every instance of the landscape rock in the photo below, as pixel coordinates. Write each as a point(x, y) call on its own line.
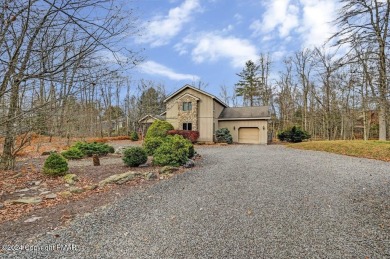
point(117, 178)
point(23, 190)
point(150, 176)
point(51, 196)
point(32, 219)
point(168, 169)
point(76, 189)
point(44, 193)
point(34, 188)
point(65, 194)
point(1, 206)
point(90, 187)
point(70, 178)
point(27, 200)
point(190, 163)
point(47, 153)
point(120, 150)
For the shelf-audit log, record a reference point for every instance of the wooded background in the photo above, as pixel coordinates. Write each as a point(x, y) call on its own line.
point(64, 73)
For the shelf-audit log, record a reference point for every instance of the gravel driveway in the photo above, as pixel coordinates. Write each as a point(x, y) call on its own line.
point(243, 201)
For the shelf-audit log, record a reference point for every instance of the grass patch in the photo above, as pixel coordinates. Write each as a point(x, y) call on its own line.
point(373, 149)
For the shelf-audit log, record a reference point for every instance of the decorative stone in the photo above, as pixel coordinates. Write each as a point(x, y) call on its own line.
point(34, 188)
point(32, 219)
point(190, 163)
point(118, 178)
point(27, 200)
point(47, 153)
point(150, 176)
point(76, 189)
point(90, 187)
point(44, 193)
point(96, 160)
point(70, 178)
point(51, 196)
point(1, 206)
point(23, 190)
point(65, 194)
point(168, 169)
point(120, 150)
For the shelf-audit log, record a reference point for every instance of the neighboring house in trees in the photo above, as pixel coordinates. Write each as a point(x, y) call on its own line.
point(192, 109)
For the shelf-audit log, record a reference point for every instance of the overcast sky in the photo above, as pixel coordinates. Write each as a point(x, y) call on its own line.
point(210, 40)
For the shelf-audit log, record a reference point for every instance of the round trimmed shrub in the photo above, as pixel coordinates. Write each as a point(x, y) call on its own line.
point(174, 151)
point(134, 156)
point(223, 135)
point(110, 149)
point(55, 165)
point(293, 135)
point(151, 144)
point(158, 128)
point(134, 136)
point(72, 153)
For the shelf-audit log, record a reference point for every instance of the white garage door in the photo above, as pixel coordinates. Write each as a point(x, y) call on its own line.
point(248, 135)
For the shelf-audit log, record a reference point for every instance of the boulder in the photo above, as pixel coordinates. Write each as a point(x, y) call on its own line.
point(90, 187)
point(51, 196)
point(150, 176)
point(47, 153)
point(190, 163)
point(65, 194)
point(23, 190)
point(168, 169)
point(32, 219)
point(118, 178)
point(120, 150)
point(74, 189)
point(70, 178)
point(27, 200)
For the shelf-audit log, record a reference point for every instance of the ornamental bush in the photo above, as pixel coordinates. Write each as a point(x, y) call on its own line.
point(134, 156)
point(223, 136)
point(191, 135)
point(174, 151)
point(293, 135)
point(55, 165)
point(158, 128)
point(134, 136)
point(89, 149)
point(72, 153)
point(151, 144)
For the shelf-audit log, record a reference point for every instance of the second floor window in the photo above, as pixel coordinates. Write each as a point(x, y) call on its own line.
point(187, 106)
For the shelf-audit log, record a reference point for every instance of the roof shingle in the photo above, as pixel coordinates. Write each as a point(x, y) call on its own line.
point(253, 112)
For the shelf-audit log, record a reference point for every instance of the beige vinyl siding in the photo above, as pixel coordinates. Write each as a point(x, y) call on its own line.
point(234, 125)
point(205, 113)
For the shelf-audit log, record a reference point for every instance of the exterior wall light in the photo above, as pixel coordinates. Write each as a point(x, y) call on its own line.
point(263, 127)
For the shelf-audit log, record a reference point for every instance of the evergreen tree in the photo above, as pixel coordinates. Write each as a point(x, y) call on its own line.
point(248, 85)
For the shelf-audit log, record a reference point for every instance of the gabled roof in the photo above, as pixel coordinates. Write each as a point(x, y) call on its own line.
point(156, 117)
point(245, 113)
point(195, 89)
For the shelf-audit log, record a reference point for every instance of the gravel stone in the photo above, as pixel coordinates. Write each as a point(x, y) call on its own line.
point(242, 201)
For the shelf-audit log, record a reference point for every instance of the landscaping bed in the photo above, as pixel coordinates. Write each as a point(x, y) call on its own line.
point(54, 202)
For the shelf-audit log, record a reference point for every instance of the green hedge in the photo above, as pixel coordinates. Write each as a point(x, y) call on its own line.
point(90, 149)
point(55, 165)
point(158, 128)
point(72, 153)
point(134, 156)
point(223, 135)
point(175, 151)
point(293, 135)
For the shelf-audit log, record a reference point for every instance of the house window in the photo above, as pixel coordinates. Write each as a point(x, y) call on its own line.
point(187, 126)
point(187, 106)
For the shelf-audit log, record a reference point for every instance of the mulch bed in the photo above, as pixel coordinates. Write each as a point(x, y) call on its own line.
point(56, 213)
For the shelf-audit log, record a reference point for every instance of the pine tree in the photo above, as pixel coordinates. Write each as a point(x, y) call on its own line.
point(248, 86)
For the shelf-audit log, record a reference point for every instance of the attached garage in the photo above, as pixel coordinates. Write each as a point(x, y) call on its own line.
point(249, 135)
point(247, 125)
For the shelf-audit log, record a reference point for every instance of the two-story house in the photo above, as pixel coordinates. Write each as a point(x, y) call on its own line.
point(192, 109)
